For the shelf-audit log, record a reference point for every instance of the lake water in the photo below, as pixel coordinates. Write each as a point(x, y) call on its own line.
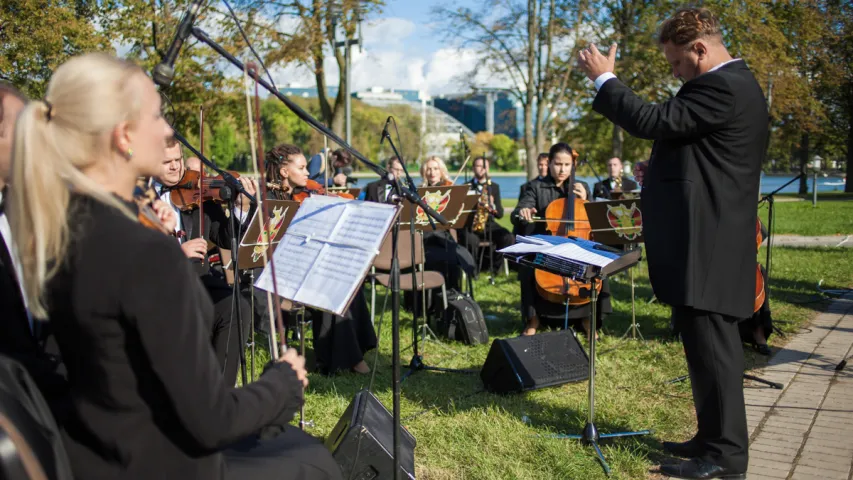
point(510, 185)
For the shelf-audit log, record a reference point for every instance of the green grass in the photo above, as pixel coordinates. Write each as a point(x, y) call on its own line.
point(463, 432)
point(832, 216)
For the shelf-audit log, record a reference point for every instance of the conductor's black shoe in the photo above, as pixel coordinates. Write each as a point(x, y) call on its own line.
point(688, 449)
point(697, 469)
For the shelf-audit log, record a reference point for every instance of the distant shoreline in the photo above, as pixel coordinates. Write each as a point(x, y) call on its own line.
point(521, 173)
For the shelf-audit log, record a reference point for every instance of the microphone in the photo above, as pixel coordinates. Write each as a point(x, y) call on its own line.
point(164, 72)
point(385, 130)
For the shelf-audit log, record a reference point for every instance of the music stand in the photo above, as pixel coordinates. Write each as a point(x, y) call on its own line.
point(619, 222)
point(250, 251)
point(468, 207)
point(577, 267)
point(447, 201)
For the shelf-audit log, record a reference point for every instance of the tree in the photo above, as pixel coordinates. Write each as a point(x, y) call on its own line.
point(37, 36)
point(317, 30)
point(145, 29)
point(532, 45)
point(223, 145)
point(504, 153)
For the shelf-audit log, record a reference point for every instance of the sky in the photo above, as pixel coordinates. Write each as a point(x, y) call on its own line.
point(403, 49)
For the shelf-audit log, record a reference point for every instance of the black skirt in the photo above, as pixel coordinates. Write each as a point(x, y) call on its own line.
point(340, 342)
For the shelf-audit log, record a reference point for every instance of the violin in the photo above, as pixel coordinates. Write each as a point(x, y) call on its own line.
point(311, 188)
point(191, 190)
point(759, 277)
point(144, 197)
point(566, 216)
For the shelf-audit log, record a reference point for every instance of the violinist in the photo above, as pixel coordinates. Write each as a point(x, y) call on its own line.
point(194, 244)
point(340, 342)
point(148, 399)
point(532, 204)
point(491, 208)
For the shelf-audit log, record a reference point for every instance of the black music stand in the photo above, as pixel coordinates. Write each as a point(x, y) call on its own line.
point(579, 270)
point(445, 202)
point(250, 252)
point(619, 222)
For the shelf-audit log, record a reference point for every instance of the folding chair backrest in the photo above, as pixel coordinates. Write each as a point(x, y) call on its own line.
point(404, 253)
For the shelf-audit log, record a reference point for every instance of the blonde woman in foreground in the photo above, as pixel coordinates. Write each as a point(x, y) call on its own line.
point(129, 315)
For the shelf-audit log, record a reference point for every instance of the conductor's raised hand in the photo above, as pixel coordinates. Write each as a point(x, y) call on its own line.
point(594, 63)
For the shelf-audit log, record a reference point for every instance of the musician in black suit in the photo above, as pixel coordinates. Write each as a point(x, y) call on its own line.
point(379, 190)
point(613, 182)
point(22, 337)
point(699, 192)
point(194, 243)
point(499, 236)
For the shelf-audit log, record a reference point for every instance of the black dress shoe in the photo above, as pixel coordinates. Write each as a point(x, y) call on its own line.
point(688, 449)
point(700, 470)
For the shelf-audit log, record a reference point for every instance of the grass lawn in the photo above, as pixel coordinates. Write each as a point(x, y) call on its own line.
point(464, 432)
point(832, 216)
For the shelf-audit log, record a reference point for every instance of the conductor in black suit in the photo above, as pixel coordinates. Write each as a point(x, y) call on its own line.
point(615, 181)
point(699, 192)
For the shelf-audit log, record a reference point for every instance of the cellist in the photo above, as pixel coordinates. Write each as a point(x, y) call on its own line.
point(534, 201)
point(339, 342)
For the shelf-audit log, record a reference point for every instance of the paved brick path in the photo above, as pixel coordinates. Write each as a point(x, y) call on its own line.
point(806, 430)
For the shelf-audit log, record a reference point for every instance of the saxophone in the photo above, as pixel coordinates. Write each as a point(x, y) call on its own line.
point(481, 216)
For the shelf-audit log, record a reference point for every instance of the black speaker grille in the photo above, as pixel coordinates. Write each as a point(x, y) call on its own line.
point(526, 363)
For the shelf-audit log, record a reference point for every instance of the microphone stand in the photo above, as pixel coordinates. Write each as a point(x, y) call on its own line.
point(408, 193)
point(229, 194)
point(769, 198)
point(416, 363)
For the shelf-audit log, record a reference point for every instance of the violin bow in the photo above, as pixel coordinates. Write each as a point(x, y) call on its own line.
point(201, 176)
point(256, 143)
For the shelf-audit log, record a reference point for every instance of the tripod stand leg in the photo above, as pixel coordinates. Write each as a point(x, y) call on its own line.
point(302, 352)
point(590, 433)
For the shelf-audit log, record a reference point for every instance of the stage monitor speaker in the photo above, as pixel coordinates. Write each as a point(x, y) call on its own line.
point(535, 361)
point(363, 441)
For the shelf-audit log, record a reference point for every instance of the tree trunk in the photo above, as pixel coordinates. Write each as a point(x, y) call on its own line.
point(804, 160)
point(848, 187)
point(618, 141)
point(531, 142)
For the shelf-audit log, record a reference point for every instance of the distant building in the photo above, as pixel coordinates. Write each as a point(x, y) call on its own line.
point(438, 128)
point(307, 92)
point(490, 111)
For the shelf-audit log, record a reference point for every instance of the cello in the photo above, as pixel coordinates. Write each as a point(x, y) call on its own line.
point(760, 295)
point(566, 217)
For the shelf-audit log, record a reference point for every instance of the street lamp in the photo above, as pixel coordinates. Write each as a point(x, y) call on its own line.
point(347, 43)
point(816, 162)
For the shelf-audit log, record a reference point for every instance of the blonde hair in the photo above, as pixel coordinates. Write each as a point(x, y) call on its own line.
point(445, 175)
point(54, 140)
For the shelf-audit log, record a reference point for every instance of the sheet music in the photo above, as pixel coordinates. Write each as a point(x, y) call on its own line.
point(325, 254)
point(568, 251)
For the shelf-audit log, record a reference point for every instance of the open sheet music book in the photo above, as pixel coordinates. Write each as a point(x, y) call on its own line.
point(569, 256)
point(326, 252)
